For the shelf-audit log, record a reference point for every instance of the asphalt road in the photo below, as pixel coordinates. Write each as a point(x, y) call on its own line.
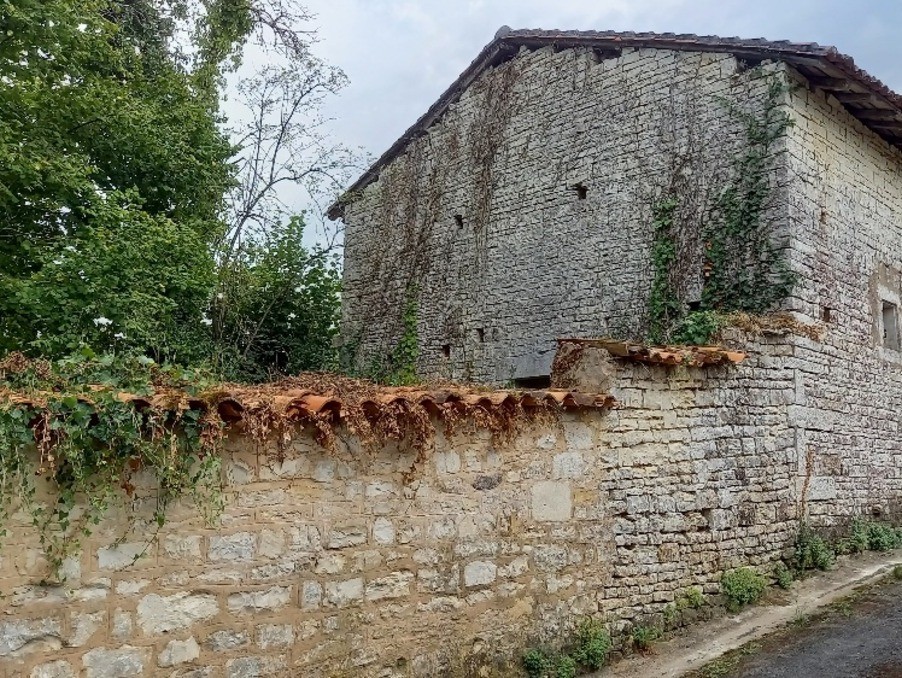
point(861, 638)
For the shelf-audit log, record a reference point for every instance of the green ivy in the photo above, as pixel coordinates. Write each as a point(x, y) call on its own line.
point(88, 443)
point(745, 270)
point(664, 306)
point(400, 368)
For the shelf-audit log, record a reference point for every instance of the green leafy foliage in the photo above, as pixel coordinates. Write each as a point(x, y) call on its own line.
point(566, 667)
point(783, 576)
point(589, 650)
point(664, 307)
point(88, 443)
point(110, 160)
point(697, 328)
point(277, 307)
point(114, 172)
point(869, 535)
point(400, 368)
point(742, 587)
point(593, 644)
point(538, 663)
point(745, 269)
point(811, 551)
point(693, 597)
point(642, 636)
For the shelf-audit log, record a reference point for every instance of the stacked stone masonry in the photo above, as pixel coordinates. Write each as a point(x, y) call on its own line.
point(328, 564)
point(524, 213)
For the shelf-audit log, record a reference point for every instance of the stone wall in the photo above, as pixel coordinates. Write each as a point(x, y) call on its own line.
point(846, 209)
point(330, 565)
point(481, 222)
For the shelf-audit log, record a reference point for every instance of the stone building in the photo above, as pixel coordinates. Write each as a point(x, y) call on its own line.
point(520, 207)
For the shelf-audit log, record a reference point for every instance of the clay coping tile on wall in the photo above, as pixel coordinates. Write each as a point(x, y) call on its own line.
point(232, 402)
point(690, 356)
point(825, 67)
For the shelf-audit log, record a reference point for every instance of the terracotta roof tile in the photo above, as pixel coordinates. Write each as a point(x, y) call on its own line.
point(233, 403)
point(690, 356)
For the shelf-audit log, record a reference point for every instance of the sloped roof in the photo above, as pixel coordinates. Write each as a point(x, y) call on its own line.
point(825, 67)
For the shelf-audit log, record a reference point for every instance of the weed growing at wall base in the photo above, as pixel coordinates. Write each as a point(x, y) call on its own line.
point(588, 651)
point(811, 551)
point(742, 587)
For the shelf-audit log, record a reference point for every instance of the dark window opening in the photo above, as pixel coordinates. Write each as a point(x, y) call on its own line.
point(890, 326)
point(827, 314)
point(459, 220)
point(480, 333)
point(446, 350)
point(694, 306)
point(747, 64)
point(581, 191)
point(541, 381)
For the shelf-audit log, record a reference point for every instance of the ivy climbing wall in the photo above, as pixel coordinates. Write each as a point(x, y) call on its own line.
point(525, 213)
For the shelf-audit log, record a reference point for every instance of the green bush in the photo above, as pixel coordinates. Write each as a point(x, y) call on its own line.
point(566, 667)
point(697, 328)
point(856, 542)
point(783, 575)
point(671, 614)
point(742, 587)
point(643, 636)
point(882, 537)
point(593, 644)
point(811, 551)
point(590, 648)
point(537, 663)
point(694, 598)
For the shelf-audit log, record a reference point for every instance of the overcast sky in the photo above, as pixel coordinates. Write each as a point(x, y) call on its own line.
point(400, 55)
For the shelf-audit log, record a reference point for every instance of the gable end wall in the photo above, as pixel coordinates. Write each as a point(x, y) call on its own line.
point(479, 222)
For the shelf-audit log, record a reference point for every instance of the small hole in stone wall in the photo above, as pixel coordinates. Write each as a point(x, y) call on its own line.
point(480, 334)
point(446, 350)
point(459, 220)
point(890, 326)
point(581, 191)
point(827, 314)
point(539, 381)
point(694, 306)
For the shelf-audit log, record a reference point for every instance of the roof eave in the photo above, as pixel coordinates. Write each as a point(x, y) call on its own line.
point(507, 43)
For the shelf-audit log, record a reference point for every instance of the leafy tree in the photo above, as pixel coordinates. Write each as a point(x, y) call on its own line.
point(277, 309)
point(128, 218)
point(112, 176)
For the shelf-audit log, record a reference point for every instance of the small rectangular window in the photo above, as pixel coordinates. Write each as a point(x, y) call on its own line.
point(890, 326)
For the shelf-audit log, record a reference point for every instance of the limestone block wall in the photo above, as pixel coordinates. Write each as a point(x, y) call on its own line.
point(846, 206)
point(328, 564)
point(524, 214)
